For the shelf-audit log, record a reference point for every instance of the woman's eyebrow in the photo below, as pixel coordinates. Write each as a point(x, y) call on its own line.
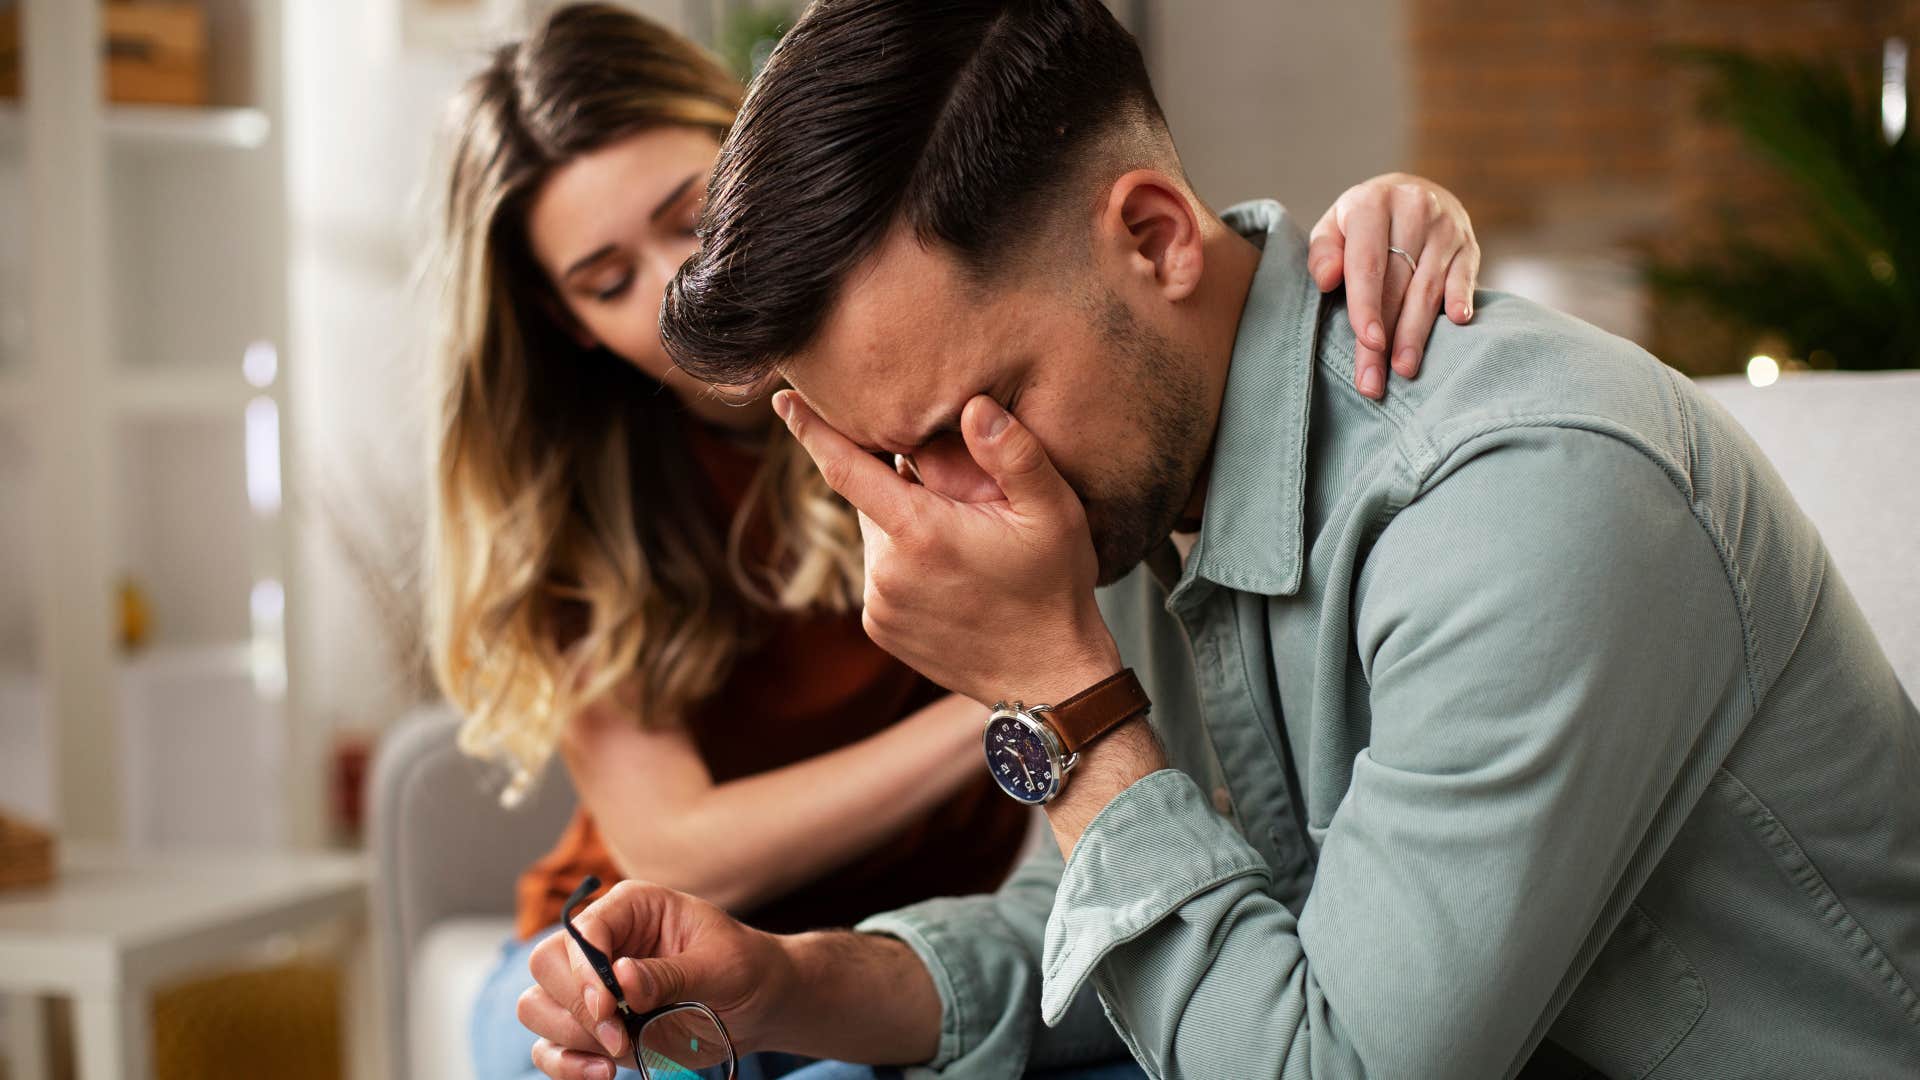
point(679, 191)
point(589, 259)
point(673, 197)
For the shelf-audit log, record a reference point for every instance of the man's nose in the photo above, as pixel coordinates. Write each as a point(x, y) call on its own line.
point(946, 468)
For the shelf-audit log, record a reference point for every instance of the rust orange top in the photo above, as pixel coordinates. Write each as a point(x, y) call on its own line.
point(813, 684)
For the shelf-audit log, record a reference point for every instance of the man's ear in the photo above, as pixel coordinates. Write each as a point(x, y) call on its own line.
point(1149, 221)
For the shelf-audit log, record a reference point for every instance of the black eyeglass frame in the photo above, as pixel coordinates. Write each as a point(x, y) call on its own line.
point(634, 1022)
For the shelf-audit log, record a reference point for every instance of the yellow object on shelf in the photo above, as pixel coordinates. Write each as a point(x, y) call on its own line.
point(136, 616)
point(26, 854)
point(282, 1022)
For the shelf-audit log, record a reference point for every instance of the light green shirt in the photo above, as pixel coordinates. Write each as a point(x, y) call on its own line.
point(1522, 705)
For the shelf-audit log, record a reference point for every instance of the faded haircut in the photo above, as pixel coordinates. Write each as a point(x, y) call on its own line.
point(963, 120)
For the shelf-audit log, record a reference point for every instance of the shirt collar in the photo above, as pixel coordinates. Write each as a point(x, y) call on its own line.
point(1252, 527)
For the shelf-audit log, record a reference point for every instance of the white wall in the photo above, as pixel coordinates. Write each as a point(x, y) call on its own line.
point(361, 117)
point(1291, 100)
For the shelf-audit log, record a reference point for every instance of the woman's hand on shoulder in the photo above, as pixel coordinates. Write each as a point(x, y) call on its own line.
point(1404, 246)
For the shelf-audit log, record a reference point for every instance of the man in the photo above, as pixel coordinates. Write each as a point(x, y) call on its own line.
point(1518, 718)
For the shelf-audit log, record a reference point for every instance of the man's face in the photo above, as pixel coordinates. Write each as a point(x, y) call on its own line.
point(911, 340)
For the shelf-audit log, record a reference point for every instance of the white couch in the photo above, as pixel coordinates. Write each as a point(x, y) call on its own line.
point(447, 854)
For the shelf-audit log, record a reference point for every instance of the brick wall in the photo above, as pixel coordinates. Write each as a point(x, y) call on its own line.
point(1563, 118)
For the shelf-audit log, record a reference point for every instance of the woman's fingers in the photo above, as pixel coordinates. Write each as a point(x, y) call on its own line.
point(1366, 223)
point(1370, 364)
point(1393, 299)
point(1327, 250)
point(1463, 277)
point(1369, 275)
point(1420, 307)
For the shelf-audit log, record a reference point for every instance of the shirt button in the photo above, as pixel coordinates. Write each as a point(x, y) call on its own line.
point(1222, 801)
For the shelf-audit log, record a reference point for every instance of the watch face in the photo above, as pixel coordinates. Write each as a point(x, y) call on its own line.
point(1020, 760)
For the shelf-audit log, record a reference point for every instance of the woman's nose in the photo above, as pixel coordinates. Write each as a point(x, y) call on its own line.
point(946, 468)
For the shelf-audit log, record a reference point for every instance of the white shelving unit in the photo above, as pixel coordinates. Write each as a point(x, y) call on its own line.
point(210, 126)
point(141, 427)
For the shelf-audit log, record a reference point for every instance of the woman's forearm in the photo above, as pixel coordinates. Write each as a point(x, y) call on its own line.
point(742, 843)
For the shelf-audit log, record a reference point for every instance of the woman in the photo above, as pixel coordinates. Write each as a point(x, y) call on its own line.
point(650, 578)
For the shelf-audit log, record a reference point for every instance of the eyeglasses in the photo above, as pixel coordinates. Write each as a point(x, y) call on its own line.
point(682, 1041)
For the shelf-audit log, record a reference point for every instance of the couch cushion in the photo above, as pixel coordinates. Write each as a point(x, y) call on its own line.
point(444, 849)
point(1848, 446)
point(450, 962)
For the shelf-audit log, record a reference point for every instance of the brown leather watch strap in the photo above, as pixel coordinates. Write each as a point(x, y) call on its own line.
point(1098, 709)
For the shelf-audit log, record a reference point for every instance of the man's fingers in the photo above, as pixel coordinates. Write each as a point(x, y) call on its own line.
point(593, 1009)
point(649, 984)
point(547, 1018)
point(1462, 278)
point(1011, 454)
point(858, 476)
point(1420, 308)
point(561, 1063)
point(1366, 269)
point(625, 921)
point(554, 970)
point(1326, 250)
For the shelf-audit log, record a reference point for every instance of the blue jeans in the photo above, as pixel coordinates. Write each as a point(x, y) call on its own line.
point(503, 1050)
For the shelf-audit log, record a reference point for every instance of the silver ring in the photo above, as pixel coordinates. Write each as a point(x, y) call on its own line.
point(1411, 265)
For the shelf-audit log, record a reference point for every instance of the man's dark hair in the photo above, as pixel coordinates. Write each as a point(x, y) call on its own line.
point(958, 118)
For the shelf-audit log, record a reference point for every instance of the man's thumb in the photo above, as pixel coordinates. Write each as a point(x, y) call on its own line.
point(651, 983)
point(1006, 450)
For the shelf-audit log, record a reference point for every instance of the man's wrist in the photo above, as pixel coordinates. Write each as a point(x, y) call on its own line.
point(855, 997)
point(1107, 768)
point(1083, 669)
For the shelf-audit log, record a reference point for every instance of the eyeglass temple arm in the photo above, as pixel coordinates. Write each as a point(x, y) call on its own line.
point(602, 964)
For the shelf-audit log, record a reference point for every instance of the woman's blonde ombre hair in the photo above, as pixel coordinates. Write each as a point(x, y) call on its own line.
point(572, 554)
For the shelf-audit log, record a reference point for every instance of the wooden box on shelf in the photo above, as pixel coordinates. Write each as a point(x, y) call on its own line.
point(26, 854)
point(154, 53)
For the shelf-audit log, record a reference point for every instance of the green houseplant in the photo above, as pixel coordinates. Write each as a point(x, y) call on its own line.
point(1848, 293)
point(749, 36)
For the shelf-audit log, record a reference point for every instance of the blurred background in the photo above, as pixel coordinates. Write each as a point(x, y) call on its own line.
point(213, 345)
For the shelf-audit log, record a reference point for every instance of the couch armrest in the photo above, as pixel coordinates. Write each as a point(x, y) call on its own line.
point(444, 847)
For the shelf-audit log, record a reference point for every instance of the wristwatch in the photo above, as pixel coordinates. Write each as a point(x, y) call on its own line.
point(1031, 748)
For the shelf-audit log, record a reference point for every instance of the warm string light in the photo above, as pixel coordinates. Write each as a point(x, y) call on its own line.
point(1893, 90)
point(260, 364)
point(263, 456)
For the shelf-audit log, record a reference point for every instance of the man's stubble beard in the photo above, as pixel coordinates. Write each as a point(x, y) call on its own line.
point(1130, 516)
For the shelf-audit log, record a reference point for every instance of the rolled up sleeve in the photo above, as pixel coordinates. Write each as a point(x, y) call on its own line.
point(1545, 634)
point(983, 953)
point(1151, 851)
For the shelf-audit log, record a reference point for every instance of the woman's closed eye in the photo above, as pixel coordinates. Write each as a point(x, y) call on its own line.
point(603, 282)
point(613, 289)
